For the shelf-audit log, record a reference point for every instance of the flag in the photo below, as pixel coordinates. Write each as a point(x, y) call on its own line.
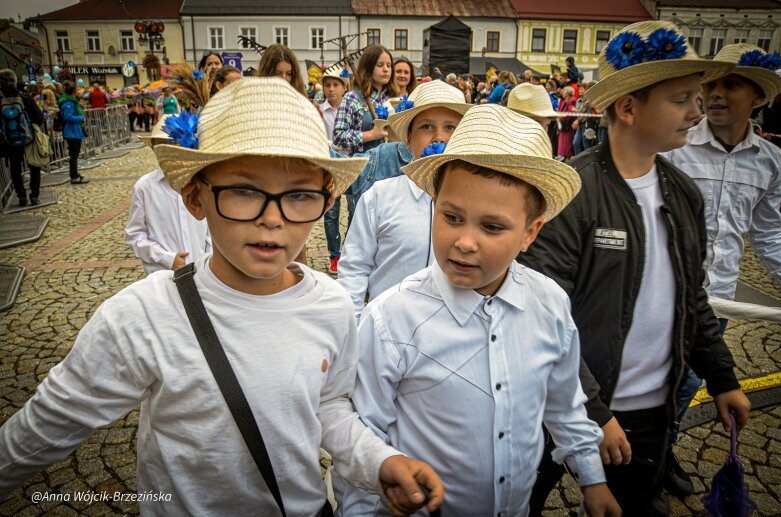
point(314, 72)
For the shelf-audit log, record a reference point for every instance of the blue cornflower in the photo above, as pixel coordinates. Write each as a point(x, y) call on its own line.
point(664, 44)
point(626, 49)
point(752, 58)
point(404, 104)
point(432, 149)
point(772, 61)
point(182, 129)
point(197, 74)
point(344, 73)
point(382, 112)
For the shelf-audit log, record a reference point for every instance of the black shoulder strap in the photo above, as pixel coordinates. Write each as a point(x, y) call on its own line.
point(226, 379)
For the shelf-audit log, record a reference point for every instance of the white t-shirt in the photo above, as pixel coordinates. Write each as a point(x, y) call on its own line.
point(647, 357)
point(295, 356)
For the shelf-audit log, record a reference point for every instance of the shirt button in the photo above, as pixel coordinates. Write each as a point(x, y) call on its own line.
point(493, 337)
point(501, 435)
point(501, 479)
point(498, 386)
point(490, 300)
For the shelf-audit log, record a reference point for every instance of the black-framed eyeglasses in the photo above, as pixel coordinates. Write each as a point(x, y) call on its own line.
point(248, 204)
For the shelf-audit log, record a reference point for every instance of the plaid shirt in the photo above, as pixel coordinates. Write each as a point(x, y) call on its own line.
point(349, 119)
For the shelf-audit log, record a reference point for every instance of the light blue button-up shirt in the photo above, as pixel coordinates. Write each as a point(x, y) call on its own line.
point(742, 194)
point(464, 382)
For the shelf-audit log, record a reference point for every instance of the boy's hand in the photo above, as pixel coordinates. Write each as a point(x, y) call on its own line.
point(400, 477)
point(734, 401)
point(615, 447)
point(179, 260)
point(599, 501)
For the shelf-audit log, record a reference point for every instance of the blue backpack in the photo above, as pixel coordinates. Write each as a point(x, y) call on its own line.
point(16, 126)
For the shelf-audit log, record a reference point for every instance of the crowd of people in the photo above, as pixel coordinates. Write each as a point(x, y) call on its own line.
point(513, 296)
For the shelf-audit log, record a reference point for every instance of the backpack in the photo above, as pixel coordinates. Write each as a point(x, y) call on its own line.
point(16, 126)
point(39, 153)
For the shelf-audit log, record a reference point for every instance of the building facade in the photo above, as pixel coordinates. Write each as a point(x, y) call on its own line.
point(95, 39)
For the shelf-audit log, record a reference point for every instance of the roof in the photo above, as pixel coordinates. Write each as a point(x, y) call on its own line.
point(462, 8)
point(115, 10)
point(624, 11)
point(722, 4)
point(267, 7)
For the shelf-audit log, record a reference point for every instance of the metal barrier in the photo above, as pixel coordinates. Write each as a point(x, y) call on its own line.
point(105, 129)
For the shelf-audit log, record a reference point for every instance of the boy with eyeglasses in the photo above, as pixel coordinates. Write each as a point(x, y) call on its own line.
point(287, 332)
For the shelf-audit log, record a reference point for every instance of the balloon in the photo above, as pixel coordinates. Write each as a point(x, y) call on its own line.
point(33, 83)
point(80, 83)
point(47, 76)
point(56, 69)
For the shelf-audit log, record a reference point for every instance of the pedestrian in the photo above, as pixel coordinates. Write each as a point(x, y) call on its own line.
point(628, 251)
point(278, 60)
point(566, 131)
point(211, 61)
point(404, 79)
point(505, 80)
point(166, 103)
point(572, 71)
point(390, 236)
point(98, 98)
point(225, 76)
point(533, 101)
point(73, 129)
point(251, 298)
point(160, 230)
point(585, 127)
point(18, 111)
point(739, 176)
point(462, 360)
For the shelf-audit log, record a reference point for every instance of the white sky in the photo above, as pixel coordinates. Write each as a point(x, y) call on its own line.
point(28, 8)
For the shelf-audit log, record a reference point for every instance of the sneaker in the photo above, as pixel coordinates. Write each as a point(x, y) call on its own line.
point(332, 267)
point(81, 180)
point(22, 201)
point(676, 480)
point(660, 507)
point(34, 201)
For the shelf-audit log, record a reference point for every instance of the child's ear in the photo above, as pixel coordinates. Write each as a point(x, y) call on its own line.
point(331, 201)
point(192, 199)
point(531, 232)
point(624, 108)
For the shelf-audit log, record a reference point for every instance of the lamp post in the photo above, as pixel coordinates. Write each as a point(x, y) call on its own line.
point(150, 33)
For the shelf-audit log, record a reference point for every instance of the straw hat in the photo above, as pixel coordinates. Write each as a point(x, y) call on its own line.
point(753, 64)
point(336, 73)
point(257, 116)
point(157, 132)
point(646, 53)
point(497, 138)
point(532, 100)
point(426, 96)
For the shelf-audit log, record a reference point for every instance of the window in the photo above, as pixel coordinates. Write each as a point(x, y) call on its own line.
point(281, 35)
point(741, 36)
point(93, 41)
point(373, 37)
point(251, 33)
point(400, 39)
point(216, 39)
point(126, 41)
point(570, 41)
point(317, 36)
point(695, 39)
point(602, 39)
point(538, 40)
point(717, 41)
point(62, 40)
point(492, 41)
point(157, 45)
point(765, 38)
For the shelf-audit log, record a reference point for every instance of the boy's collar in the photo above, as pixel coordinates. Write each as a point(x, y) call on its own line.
point(701, 134)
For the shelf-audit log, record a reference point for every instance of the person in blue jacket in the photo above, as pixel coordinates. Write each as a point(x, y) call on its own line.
point(73, 129)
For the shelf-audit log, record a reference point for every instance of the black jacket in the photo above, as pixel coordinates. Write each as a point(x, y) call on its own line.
point(595, 251)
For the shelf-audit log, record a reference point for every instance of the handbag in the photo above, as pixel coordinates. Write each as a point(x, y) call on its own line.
point(38, 152)
point(227, 382)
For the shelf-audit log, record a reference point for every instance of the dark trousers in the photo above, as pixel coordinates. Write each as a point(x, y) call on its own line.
point(132, 116)
point(74, 148)
point(633, 485)
point(15, 158)
point(331, 224)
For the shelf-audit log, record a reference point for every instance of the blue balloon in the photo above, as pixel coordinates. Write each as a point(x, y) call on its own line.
point(56, 69)
point(47, 76)
point(33, 83)
point(80, 83)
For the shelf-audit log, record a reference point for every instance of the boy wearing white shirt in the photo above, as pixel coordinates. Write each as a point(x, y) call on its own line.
point(464, 360)
point(160, 230)
point(287, 331)
point(390, 234)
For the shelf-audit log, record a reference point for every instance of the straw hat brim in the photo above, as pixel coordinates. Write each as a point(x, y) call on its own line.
point(551, 113)
point(637, 77)
point(766, 79)
point(180, 164)
point(399, 122)
point(558, 183)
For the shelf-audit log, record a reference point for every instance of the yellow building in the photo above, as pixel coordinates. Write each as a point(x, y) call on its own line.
point(96, 40)
point(549, 32)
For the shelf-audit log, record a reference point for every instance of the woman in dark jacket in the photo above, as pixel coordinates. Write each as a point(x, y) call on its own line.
point(73, 129)
point(15, 154)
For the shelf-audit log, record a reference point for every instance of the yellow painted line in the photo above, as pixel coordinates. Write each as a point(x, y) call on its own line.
point(748, 385)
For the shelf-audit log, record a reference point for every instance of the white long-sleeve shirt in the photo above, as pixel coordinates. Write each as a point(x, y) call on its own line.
point(389, 239)
point(293, 353)
point(159, 225)
point(465, 382)
point(742, 194)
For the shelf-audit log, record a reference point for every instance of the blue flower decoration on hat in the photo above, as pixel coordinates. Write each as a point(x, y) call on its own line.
point(197, 74)
point(432, 149)
point(664, 44)
point(182, 129)
point(382, 112)
point(752, 58)
point(344, 73)
point(404, 104)
point(772, 61)
point(626, 49)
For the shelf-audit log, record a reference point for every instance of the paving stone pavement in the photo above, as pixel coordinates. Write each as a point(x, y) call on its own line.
point(82, 260)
